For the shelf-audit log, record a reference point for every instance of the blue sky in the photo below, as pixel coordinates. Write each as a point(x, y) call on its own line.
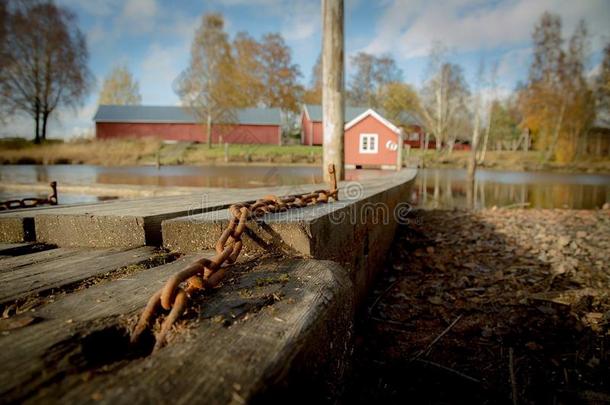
point(152, 37)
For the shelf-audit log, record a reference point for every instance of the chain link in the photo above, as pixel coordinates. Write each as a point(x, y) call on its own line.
point(204, 274)
point(31, 202)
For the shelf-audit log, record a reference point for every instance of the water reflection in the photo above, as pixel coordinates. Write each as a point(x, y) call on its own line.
point(447, 188)
point(434, 188)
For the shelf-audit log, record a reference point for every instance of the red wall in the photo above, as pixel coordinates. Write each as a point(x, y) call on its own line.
point(311, 130)
point(263, 134)
point(384, 156)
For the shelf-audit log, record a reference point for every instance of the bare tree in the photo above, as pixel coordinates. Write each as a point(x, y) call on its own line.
point(204, 86)
point(120, 88)
point(477, 108)
point(443, 98)
point(493, 76)
point(45, 61)
point(313, 95)
point(371, 75)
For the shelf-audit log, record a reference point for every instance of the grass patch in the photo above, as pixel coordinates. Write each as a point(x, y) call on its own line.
point(122, 152)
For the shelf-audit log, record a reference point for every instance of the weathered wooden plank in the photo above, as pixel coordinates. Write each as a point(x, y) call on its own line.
point(13, 263)
point(16, 249)
point(62, 267)
point(236, 344)
point(135, 222)
point(29, 356)
point(356, 231)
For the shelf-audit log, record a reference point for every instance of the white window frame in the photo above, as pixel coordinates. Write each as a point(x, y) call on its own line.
point(368, 150)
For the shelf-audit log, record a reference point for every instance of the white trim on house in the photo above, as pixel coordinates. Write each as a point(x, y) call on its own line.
point(376, 115)
point(365, 142)
point(306, 112)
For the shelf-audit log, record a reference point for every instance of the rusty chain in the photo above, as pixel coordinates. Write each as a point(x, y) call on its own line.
point(204, 274)
point(31, 202)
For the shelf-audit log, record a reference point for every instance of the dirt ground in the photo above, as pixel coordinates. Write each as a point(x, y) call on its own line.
point(495, 306)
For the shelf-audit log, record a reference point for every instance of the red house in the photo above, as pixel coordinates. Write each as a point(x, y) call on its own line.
point(371, 140)
point(250, 125)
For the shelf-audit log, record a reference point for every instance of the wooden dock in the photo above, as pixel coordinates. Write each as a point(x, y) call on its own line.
point(72, 288)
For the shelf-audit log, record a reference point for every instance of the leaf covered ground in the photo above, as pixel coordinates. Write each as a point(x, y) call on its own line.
point(493, 306)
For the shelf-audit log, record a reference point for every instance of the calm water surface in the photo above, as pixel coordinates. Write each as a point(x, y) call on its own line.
point(435, 188)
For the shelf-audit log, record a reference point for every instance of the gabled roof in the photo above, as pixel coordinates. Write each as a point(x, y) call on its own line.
point(314, 113)
point(373, 113)
point(179, 115)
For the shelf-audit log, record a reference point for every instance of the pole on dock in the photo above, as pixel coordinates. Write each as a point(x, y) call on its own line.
point(401, 144)
point(333, 104)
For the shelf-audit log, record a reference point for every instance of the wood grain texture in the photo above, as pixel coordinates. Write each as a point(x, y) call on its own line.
point(32, 356)
point(16, 249)
point(236, 343)
point(44, 271)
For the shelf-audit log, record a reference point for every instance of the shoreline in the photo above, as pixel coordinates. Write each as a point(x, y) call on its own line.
point(150, 152)
point(549, 168)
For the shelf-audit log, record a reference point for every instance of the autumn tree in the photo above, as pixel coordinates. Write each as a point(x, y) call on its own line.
point(580, 106)
point(45, 61)
point(313, 94)
point(205, 86)
point(248, 70)
point(3, 55)
point(602, 89)
point(557, 104)
point(443, 99)
point(120, 88)
point(280, 75)
point(371, 74)
point(504, 123)
point(396, 99)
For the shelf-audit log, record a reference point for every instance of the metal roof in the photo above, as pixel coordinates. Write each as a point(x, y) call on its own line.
point(175, 114)
point(315, 113)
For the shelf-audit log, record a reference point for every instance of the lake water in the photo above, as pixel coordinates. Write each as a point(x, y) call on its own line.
point(434, 188)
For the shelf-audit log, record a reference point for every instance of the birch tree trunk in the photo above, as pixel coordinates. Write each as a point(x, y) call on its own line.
point(551, 151)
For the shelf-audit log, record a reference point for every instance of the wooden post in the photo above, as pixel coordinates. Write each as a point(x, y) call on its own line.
point(333, 87)
point(399, 152)
point(226, 152)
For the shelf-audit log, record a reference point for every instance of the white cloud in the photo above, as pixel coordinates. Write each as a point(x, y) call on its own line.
point(138, 16)
point(408, 27)
point(512, 64)
point(159, 68)
point(303, 20)
point(98, 8)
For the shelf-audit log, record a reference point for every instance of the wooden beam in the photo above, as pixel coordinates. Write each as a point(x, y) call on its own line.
point(333, 100)
point(265, 331)
point(57, 268)
point(355, 231)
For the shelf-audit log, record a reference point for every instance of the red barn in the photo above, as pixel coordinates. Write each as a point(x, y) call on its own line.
point(311, 122)
point(249, 125)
